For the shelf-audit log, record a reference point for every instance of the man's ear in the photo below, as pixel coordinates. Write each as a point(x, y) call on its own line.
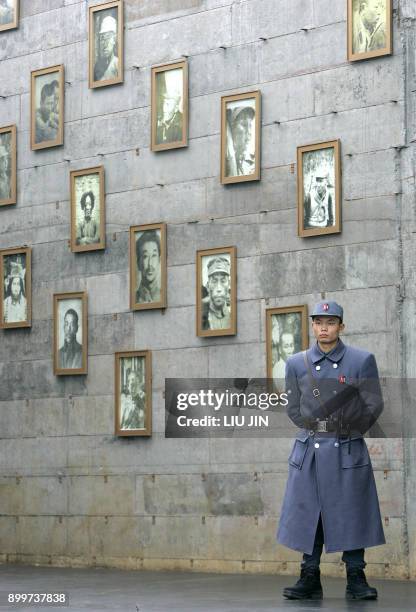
point(341, 327)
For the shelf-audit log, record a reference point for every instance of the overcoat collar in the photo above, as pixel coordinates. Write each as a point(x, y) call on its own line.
point(335, 355)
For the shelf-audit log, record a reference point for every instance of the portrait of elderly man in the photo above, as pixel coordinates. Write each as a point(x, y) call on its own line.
point(169, 106)
point(15, 303)
point(148, 258)
point(88, 230)
point(106, 65)
point(6, 12)
point(216, 312)
point(70, 353)
point(241, 148)
point(369, 31)
point(5, 169)
point(319, 204)
point(133, 402)
point(47, 115)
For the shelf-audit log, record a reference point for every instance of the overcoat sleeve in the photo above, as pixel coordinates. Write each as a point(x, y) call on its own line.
point(293, 396)
point(370, 394)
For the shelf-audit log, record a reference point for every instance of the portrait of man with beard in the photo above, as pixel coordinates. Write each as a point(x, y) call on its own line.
point(88, 231)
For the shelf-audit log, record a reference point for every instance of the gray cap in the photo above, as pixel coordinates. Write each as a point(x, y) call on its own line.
point(327, 309)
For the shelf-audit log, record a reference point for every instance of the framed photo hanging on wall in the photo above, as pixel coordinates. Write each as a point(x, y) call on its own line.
point(169, 106)
point(16, 287)
point(133, 393)
point(319, 189)
point(106, 40)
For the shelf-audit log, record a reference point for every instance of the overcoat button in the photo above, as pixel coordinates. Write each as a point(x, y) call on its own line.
point(311, 432)
point(335, 365)
point(336, 444)
point(316, 445)
point(318, 367)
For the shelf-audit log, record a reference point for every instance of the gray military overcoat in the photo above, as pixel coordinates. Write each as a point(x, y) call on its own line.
point(332, 475)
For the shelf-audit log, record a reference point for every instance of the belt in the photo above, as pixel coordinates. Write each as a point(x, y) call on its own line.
point(326, 426)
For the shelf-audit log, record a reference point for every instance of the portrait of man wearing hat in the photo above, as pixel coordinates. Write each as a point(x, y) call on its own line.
point(169, 120)
point(334, 398)
point(216, 312)
point(240, 152)
point(107, 64)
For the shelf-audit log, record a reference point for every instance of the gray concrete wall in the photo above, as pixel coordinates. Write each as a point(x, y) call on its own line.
point(70, 492)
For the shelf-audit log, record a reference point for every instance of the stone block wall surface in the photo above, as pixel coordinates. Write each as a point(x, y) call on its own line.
point(71, 493)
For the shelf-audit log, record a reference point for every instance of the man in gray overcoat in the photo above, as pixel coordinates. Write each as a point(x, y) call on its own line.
point(334, 397)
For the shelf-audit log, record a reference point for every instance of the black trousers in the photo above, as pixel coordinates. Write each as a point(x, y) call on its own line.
point(352, 558)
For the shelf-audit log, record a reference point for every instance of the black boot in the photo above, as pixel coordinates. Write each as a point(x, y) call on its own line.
point(357, 585)
point(307, 587)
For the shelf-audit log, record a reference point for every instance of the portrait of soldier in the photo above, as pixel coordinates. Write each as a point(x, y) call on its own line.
point(169, 106)
point(106, 65)
point(148, 258)
point(70, 353)
point(5, 167)
point(216, 311)
point(369, 31)
point(6, 12)
point(133, 399)
point(88, 230)
point(241, 149)
point(15, 303)
point(47, 114)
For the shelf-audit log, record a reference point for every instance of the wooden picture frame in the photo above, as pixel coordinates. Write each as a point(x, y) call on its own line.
point(87, 189)
point(15, 264)
point(240, 114)
point(365, 42)
point(70, 347)
point(148, 272)
point(108, 68)
point(169, 129)
point(319, 188)
point(8, 165)
point(285, 338)
point(47, 107)
point(13, 23)
point(220, 262)
point(133, 393)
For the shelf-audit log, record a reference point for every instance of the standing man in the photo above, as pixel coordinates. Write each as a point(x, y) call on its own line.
point(318, 205)
point(88, 230)
point(216, 310)
point(334, 397)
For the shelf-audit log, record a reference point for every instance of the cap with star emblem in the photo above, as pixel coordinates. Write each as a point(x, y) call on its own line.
point(328, 309)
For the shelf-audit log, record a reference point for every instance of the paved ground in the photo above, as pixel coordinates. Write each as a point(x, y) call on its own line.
point(99, 590)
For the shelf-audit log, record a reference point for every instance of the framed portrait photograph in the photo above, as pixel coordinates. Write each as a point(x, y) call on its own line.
point(9, 14)
point(87, 209)
point(8, 163)
point(286, 334)
point(169, 106)
point(70, 337)
point(133, 393)
point(148, 266)
point(106, 36)
point(216, 291)
point(240, 137)
point(16, 287)
point(370, 30)
point(319, 189)
point(47, 107)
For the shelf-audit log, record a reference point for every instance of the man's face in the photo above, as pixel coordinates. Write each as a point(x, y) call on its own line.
point(326, 329)
point(320, 188)
point(87, 208)
point(370, 13)
point(169, 108)
point(219, 288)
point(70, 327)
point(48, 104)
point(287, 346)
point(131, 383)
point(242, 132)
point(15, 288)
point(150, 261)
point(107, 44)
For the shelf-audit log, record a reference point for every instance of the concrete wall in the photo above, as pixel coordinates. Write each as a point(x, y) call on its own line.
point(70, 492)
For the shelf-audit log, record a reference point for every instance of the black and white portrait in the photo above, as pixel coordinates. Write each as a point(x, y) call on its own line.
point(6, 166)
point(106, 44)
point(87, 214)
point(147, 266)
point(9, 10)
point(369, 20)
point(287, 334)
point(133, 395)
point(216, 306)
point(47, 107)
point(70, 333)
point(15, 303)
point(318, 186)
point(240, 137)
point(169, 106)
